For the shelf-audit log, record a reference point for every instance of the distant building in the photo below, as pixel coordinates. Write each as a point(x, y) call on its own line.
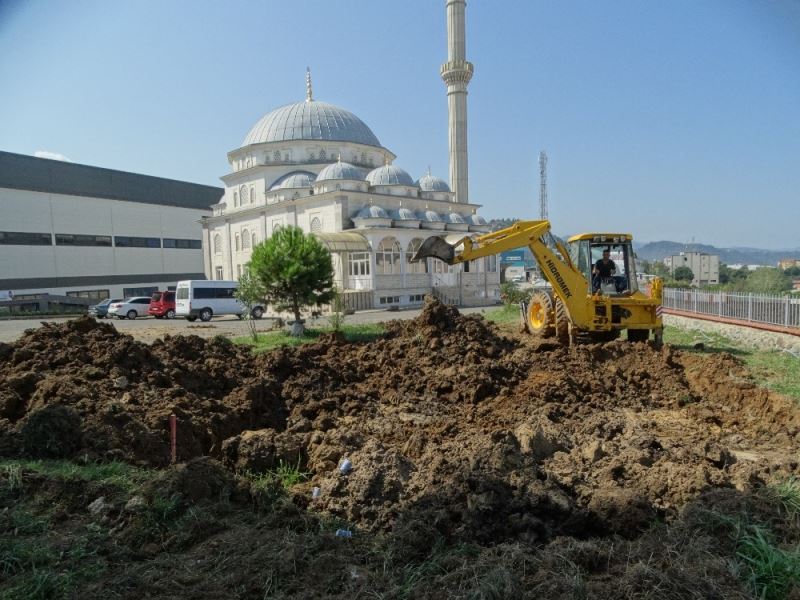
point(788, 263)
point(705, 267)
point(75, 230)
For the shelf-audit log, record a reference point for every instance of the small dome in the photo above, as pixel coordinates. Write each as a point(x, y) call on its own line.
point(389, 175)
point(453, 218)
point(372, 211)
point(404, 214)
point(430, 216)
point(340, 170)
point(477, 220)
point(429, 183)
point(295, 179)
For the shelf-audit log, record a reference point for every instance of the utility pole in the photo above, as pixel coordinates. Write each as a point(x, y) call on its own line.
point(542, 185)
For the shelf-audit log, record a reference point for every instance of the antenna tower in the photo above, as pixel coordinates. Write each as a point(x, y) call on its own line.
point(542, 185)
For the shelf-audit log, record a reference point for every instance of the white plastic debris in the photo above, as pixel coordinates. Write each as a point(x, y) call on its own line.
point(345, 467)
point(316, 492)
point(344, 533)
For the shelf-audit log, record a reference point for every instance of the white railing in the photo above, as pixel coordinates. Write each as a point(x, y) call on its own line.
point(783, 311)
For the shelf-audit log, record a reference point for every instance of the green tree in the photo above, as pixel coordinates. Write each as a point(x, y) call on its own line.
point(768, 280)
point(683, 274)
point(658, 269)
point(792, 271)
point(294, 270)
point(251, 294)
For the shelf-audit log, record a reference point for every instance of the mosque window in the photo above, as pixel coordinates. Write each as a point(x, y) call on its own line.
point(245, 239)
point(243, 194)
point(217, 244)
point(358, 264)
point(238, 243)
point(323, 155)
point(235, 199)
point(275, 226)
point(387, 258)
point(415, 267)
point(252, 194)
point(311, 155)
point(316, 225)
point(255, 240)
point(277, 156)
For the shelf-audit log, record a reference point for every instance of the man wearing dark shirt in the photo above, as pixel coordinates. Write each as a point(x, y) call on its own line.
point(603, 268)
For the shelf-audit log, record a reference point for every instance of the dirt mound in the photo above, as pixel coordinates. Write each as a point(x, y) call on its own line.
point(452, 429)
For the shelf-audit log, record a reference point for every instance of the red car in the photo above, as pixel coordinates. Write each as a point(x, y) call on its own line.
point(162, 304)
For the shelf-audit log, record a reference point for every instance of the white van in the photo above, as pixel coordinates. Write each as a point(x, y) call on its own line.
point(200, 298)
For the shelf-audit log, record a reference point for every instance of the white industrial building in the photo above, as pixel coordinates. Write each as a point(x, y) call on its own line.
point(82, 231)
point(319, 167)
point(705, 267)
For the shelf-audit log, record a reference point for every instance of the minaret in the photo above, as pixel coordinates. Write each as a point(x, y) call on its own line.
point(456, 73)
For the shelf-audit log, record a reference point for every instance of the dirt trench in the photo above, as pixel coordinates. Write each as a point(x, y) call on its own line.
point(452, 428)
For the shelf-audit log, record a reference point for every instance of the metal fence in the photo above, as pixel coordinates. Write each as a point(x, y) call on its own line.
point(783, 311)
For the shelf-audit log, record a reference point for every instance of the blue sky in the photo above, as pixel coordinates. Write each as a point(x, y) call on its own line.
point(671, 120)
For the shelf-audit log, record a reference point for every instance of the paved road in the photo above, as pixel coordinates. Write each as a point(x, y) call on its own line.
point(149, 329)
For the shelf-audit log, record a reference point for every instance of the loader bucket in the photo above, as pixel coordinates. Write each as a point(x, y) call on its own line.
point(435, 247)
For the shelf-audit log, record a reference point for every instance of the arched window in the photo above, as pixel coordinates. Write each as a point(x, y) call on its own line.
point(217, 244)
point(255, 240)
point(323, 155)
point(316, 225)
point(235, 199)
point(252, 194)
point(245, 239)
point(243, 194)
point(387, 258)
point(277, 156)
point(238, 243)
point(275, 226)
point(415, 267)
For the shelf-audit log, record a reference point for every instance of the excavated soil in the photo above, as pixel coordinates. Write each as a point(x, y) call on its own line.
point(452, 428)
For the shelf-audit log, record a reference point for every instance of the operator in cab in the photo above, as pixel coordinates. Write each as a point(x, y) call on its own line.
point(603, 269)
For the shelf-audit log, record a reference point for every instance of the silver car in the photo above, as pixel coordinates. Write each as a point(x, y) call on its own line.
point(130, 308)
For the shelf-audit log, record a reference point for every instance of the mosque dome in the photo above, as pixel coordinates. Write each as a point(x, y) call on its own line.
point(389, 175)
point(311, 120)
point(340, 170)
point(476, 220)
point(454, 218)
point(372, 211)
point(404, 214)
point(429, 215)
point(429, 183)
point(295, 179)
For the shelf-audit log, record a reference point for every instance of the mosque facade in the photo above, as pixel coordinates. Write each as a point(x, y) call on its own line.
point(319, 167)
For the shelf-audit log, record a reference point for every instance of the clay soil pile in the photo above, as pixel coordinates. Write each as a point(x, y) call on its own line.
point(455, 432)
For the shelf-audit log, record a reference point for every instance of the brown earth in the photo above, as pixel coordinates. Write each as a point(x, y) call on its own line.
point(454, 431)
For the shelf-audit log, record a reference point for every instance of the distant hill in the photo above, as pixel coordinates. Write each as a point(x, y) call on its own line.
point(729, 256)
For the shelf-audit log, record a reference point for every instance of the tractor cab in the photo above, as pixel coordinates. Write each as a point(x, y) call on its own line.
point(587, 248)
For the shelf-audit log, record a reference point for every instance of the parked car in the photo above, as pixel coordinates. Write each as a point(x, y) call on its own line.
point(162, 304)
point(100, 310)
point(205, 299)
point(130, 308)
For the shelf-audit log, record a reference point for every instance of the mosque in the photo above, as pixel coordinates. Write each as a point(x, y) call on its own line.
point(319, 167)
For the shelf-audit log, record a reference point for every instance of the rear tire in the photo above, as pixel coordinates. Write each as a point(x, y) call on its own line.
point(132, 314)
point(540, 316)
point(170, 314)
point(206, 314)
point(562, 323)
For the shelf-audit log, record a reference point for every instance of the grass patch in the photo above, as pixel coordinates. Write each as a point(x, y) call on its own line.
point(507, 314)
point(285, 475)
point(115, 473)
point(769, 571)
point(275, 339)
point(787, 492)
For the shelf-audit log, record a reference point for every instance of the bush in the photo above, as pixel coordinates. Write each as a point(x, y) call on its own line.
point(511, 293)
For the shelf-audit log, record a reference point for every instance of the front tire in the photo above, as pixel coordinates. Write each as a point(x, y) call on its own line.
point(206, 314)
point(540, 315)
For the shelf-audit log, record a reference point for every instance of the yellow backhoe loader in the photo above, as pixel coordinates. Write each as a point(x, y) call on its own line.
point(581, 305)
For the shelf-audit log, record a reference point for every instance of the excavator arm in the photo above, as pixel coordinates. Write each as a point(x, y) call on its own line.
point(568, 283)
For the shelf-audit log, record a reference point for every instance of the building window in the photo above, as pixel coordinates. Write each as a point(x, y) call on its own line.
point(243, 195)
point(245, 240)
point(255, 240)
point(140, 291)
point(122, 241)
point(389, 300)
point(238, 242)
point(21, 238)
point(316, 225)
point(416, 298)
point(184, 244)
point(235, 199)
point(69, 239)
point(358, 264)
point(387, 258)
point(217, 244)
point(491, 263)
point(415, 267)
point(239, 271)
point(95, 294)
point(218, 274)
point(252, 194)
point(323, 156)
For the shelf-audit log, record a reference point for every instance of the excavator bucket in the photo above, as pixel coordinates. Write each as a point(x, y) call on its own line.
point(435, 247)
